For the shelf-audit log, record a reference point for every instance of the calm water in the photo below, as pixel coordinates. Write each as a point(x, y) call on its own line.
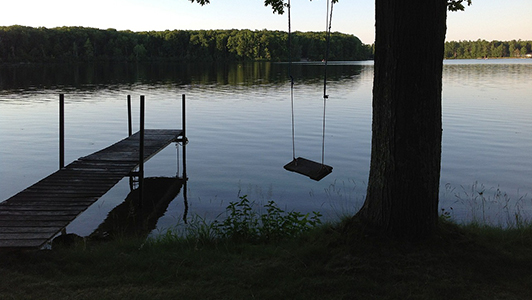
point(238, 122)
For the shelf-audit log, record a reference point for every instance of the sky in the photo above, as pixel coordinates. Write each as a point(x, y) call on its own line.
point(485, 19)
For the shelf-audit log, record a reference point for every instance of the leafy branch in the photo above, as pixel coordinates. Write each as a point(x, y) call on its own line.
point(277, 5)
point(456, 5)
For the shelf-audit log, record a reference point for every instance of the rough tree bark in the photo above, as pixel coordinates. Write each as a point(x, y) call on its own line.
point(403, 186)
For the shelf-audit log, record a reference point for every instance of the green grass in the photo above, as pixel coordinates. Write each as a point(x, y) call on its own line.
point(343, 261)
point(280, 255)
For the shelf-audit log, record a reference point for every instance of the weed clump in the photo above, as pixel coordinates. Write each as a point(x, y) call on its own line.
point(243, 223)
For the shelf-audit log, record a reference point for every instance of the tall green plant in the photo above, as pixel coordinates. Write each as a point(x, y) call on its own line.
point(245, 224)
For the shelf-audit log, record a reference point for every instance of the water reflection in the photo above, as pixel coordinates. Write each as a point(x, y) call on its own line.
point(498, 76)
point(239, 120)
point(133, 219)
point(104, 75)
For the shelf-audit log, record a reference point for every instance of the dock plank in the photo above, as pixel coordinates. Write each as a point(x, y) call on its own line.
point(22, 243)
point(6, 224)
point(29, 229)
point(35, 215)
point(24, 236)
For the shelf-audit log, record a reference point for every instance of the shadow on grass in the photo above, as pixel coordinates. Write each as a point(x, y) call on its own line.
point(339, 261)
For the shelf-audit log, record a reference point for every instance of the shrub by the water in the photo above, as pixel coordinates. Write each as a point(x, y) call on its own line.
point(245, 224)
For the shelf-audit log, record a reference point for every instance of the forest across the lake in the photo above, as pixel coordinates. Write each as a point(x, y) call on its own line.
point(485, 49)
point(71, 44)
point(80, 44)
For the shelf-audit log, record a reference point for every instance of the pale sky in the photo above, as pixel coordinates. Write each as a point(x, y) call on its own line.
point(485, 19)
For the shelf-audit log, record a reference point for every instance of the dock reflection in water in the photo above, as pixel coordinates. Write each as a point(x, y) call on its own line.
point(133, 219)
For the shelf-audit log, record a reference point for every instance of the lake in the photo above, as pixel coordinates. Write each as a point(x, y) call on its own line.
point(239, 128)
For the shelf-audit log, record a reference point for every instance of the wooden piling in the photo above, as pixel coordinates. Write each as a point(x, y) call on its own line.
point(61, 131)
point(129, 121)
point(184, 137)
point(141, 151)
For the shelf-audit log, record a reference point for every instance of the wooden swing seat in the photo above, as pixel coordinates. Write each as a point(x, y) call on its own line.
point(312, 169)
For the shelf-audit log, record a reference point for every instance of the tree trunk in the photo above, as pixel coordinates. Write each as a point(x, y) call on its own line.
point(403, 186)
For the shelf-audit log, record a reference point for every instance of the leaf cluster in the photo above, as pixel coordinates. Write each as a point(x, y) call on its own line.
point(277, 5)
point(456, 5)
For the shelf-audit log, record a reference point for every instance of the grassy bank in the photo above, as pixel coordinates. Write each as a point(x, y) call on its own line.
point(344, 261)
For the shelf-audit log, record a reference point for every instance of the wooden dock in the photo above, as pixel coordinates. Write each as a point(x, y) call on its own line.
point(32, 217)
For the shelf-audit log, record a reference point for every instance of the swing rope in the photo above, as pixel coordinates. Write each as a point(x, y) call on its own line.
point(328, 22)
point(291, 81)
point(300, 165)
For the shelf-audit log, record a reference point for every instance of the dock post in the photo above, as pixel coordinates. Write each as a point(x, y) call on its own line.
point(183, 120)
point(185, 200)
point(141, 152)
point(184, 137)
point(129, 125)
point(61, 131)
point(129, 132)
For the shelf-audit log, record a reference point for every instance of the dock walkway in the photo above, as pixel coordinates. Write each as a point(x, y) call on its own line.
point(32, 217)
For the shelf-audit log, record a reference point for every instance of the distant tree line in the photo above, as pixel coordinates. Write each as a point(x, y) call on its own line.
point(485, 49)
point(29, 44)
